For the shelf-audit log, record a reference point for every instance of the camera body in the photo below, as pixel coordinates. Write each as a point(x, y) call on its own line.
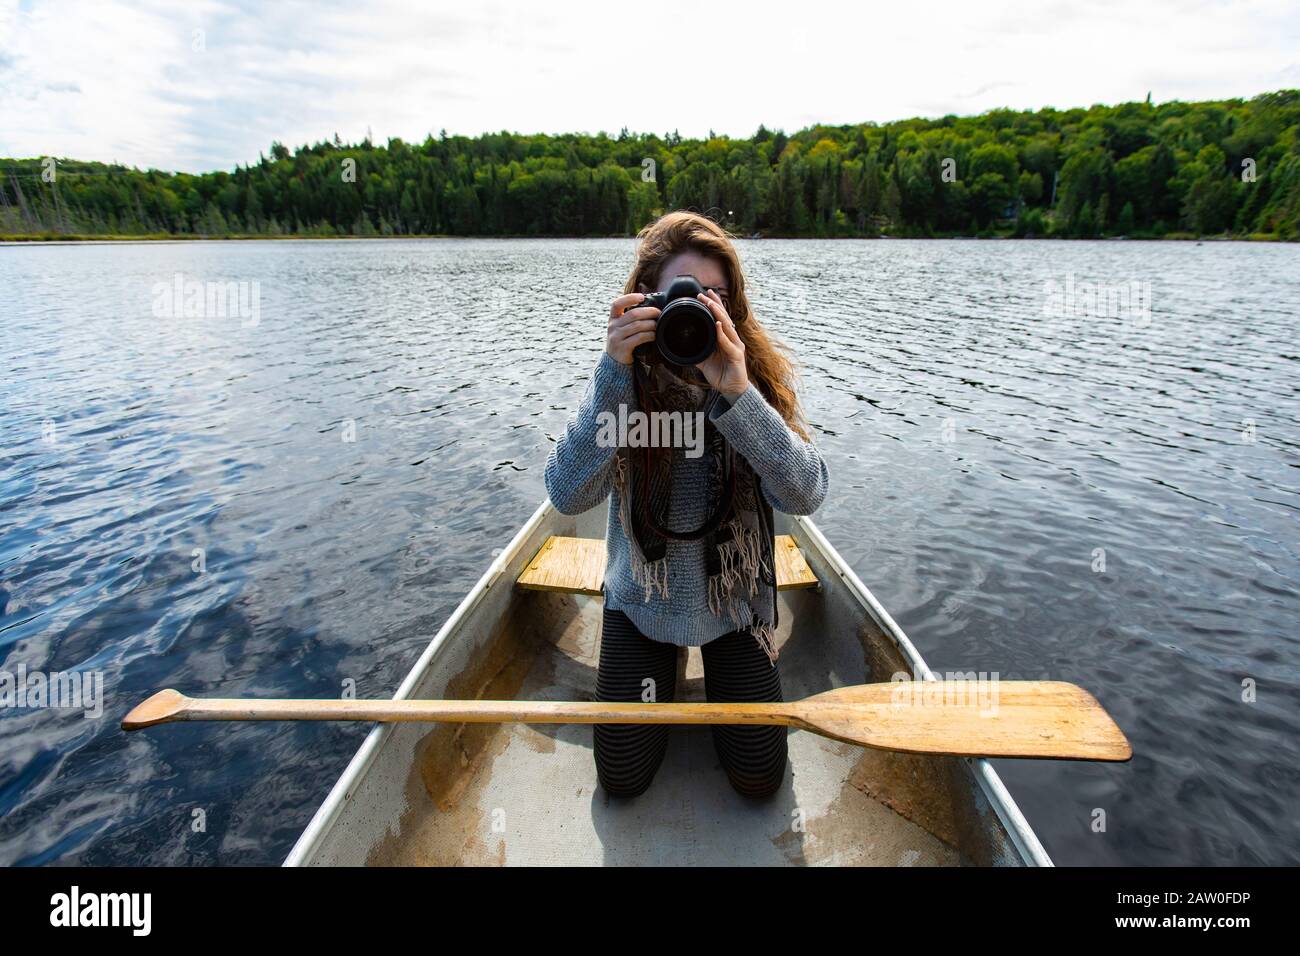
point(685, 333)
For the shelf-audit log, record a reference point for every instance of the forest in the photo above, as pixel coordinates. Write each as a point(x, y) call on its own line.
point(1227, 168)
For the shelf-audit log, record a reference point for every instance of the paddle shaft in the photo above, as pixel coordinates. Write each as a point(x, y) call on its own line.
point(483, 711)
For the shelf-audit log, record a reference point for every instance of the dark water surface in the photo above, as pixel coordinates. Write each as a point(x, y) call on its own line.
point(980, 452)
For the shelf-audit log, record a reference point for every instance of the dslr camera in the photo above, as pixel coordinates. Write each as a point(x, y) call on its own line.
point(685, 333)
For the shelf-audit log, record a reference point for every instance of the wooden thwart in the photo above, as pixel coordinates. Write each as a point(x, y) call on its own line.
point(792, 570)
point(577, 565)
point(567, 564)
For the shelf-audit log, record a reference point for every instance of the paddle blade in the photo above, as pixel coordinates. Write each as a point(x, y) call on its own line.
point(1043, 719)
point(161, 708)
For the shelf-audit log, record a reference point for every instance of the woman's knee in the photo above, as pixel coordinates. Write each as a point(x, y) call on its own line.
point(628, 756)
point(754, 758)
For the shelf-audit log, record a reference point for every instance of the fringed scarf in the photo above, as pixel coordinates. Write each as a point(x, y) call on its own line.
point(739, 548)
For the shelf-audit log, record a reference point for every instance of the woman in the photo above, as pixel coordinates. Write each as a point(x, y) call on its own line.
point(689, 540)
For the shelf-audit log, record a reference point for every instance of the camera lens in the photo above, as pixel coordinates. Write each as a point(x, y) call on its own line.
point(685, 333)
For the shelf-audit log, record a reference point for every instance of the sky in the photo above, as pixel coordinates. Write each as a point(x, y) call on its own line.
point(197, 85)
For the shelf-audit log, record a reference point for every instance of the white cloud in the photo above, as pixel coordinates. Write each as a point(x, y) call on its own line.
point(115, 80)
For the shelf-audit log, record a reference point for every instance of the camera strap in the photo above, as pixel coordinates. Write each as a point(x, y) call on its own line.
point(719, 512)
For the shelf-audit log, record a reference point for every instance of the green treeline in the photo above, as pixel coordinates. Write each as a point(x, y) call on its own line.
point(1230, 167)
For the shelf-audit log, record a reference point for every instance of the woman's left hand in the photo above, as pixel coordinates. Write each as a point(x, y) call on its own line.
point(725, 368)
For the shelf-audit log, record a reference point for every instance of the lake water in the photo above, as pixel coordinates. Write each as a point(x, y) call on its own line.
point(273, 503)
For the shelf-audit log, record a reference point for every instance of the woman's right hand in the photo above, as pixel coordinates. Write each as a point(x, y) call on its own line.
point(629, 327)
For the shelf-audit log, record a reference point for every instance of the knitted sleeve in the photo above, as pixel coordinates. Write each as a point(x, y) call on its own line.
point(579, 471)
point(794, 474)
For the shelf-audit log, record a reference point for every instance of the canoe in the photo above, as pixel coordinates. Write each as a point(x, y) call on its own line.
point(527, 794)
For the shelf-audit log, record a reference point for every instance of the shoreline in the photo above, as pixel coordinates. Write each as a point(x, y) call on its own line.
point(78, 239)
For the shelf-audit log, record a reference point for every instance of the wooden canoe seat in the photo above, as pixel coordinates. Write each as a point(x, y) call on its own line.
point(567, 564)
point(577, 565)
point(792, 570)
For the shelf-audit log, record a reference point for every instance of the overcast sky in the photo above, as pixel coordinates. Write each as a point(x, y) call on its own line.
point(134, 82)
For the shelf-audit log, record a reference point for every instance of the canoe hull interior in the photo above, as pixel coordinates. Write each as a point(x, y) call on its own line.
point(520, 794)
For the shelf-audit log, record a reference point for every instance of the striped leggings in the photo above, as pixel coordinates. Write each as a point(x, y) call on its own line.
point(735, 670)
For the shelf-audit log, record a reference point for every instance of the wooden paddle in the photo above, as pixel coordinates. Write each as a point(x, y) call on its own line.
point(1048, 719)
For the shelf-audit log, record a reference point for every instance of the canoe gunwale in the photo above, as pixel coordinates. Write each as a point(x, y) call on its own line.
point(1022, 836)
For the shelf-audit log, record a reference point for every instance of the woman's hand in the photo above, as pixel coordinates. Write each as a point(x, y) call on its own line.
point(725, 368)
point(629, 327)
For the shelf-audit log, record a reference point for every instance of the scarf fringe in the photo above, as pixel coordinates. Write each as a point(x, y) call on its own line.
point(765, 634)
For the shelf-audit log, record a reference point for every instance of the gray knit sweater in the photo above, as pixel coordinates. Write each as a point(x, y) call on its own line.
point(579, 475)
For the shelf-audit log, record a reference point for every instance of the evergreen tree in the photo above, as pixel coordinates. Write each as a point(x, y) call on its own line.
point(1162, 166)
